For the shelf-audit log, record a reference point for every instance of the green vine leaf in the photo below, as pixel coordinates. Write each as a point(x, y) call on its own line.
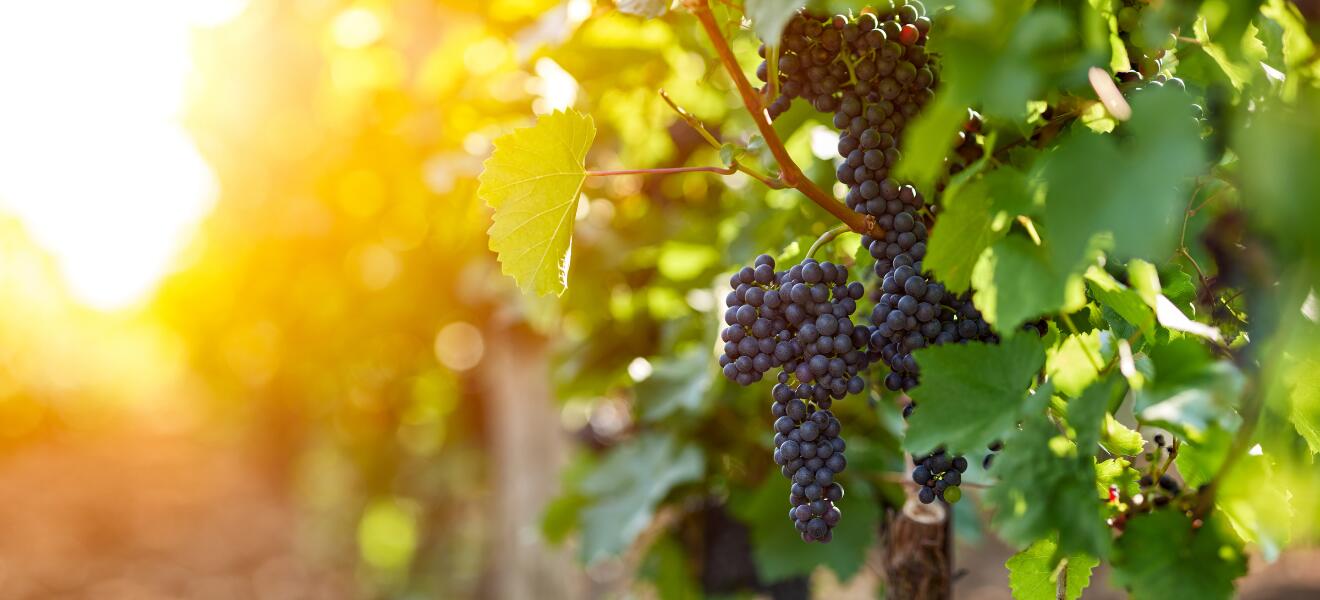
point(1160, 556)
point(1032, 572)
point(975, 216)
point(983, 384)
point(1070, 364)
point(1015, 281)
point(1190, 392)
point(1119, 473)
point(532, 181)
point(1124, 301)
point(729, 154)
point(1136, 215)
point(1117, 439)
point(1305, 410)
point(677, 386)
point(626, 488)
point(1048, 486)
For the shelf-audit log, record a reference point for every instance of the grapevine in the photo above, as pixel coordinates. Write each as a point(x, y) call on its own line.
point(1017, 308)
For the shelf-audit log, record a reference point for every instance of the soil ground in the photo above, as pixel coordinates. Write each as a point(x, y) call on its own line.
point(148, 516)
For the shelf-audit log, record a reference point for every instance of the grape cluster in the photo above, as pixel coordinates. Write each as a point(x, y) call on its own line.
point(873, 73)
point(838, 63)
point(1146, 49)
point(938, 476)
point(913, 310)
point(829, 350)
point(800, 319)
point(809, 451)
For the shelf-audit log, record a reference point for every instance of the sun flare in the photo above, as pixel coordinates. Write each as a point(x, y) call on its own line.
point(93, 158)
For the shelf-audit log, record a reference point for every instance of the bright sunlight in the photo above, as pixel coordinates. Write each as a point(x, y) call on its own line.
point(92, 157)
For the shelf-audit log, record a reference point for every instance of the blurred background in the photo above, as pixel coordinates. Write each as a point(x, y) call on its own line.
point(252, 344)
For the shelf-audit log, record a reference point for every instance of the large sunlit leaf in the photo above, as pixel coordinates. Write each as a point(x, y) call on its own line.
point(975, 215)
point(1305, 409)
point(1015, 282)
point(1125, 195)
point(1076, 362)
point(532, 181)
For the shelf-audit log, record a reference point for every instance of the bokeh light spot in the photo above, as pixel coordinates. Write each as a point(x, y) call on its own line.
point(459, 346)
point(356, 28)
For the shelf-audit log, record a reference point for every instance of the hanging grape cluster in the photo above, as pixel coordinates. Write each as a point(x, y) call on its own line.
point(939, 475)
point(872, 72)
point(809, 451)
point(757, 338)
point(800, 319)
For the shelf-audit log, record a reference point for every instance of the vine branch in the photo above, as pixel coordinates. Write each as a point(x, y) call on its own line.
point(705, 134)
point(790, 173)
point(664, 171)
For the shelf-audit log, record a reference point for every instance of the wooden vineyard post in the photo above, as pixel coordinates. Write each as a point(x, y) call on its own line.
point(527, 449)
point(918, 553)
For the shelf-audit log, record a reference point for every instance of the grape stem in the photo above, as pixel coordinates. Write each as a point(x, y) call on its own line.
point(664, 171)
point(705, 134)
point(791, 174)
point(1061, 590)
point(826, 238)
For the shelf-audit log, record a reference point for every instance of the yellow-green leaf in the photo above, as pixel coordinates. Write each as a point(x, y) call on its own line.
point(533, 180)
point(1033, 573)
